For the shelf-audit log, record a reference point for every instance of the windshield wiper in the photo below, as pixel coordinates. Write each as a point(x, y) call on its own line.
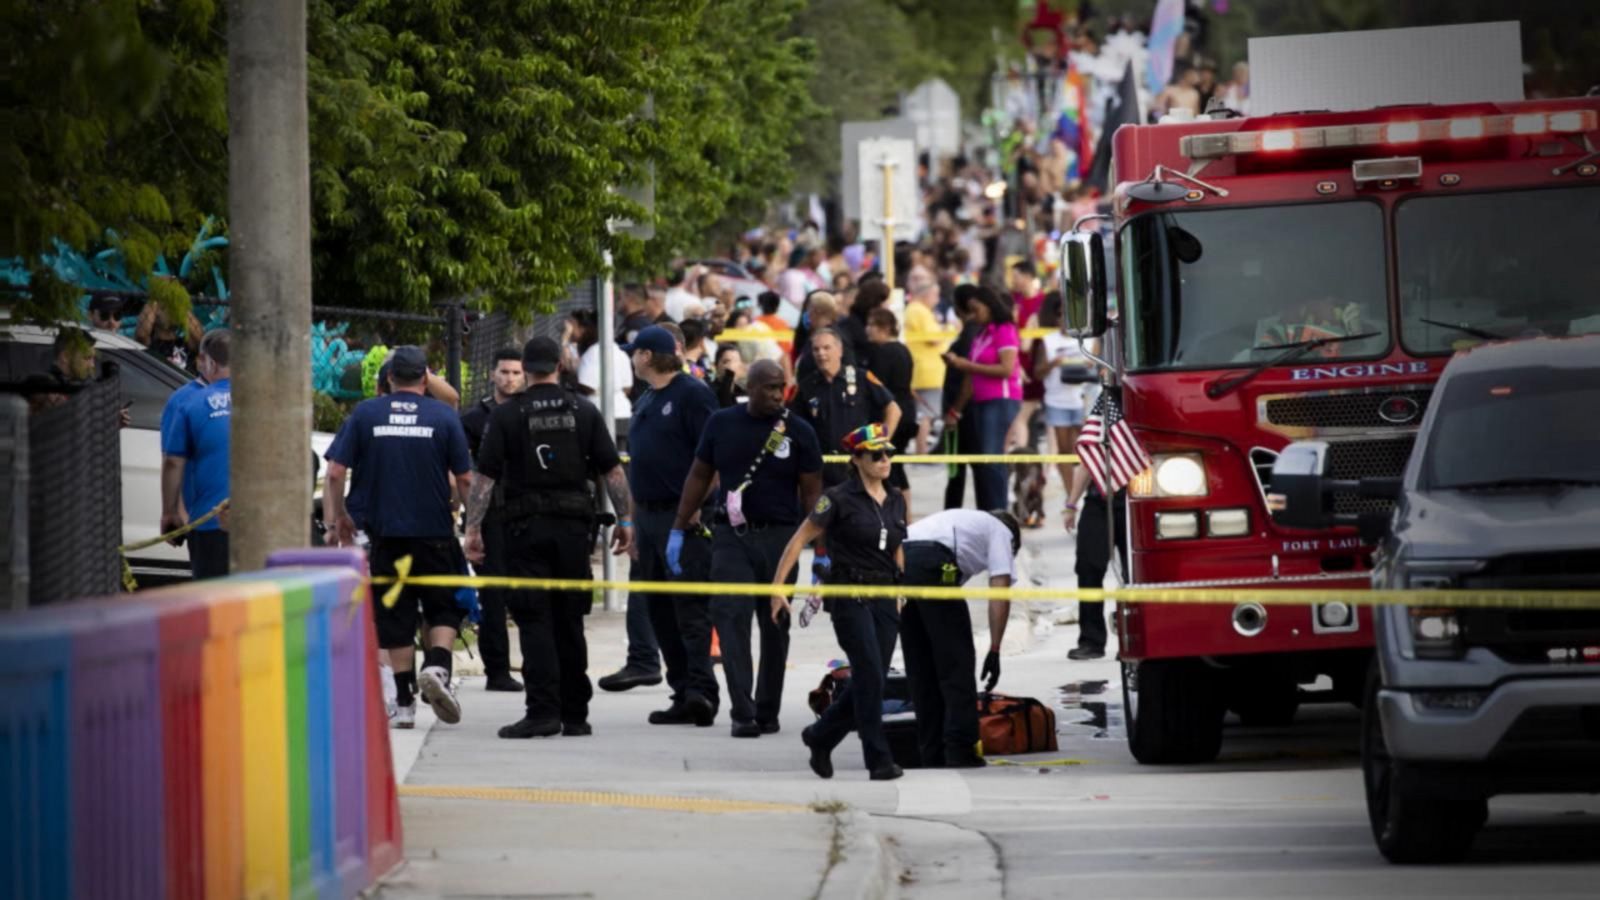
point(1291, 351)
point(1466, 329)
point(1532, 481)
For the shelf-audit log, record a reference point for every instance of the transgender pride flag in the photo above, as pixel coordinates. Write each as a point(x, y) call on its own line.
point(1164, 31)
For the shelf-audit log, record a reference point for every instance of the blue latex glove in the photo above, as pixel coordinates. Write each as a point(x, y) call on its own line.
point(821, 565)
point(467, 599)
point(675, 552)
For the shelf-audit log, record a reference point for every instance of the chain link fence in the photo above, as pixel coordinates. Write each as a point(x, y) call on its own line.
point(73, 473)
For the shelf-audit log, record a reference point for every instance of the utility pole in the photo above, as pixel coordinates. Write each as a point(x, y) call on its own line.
point(887, 165)
point(269, 263)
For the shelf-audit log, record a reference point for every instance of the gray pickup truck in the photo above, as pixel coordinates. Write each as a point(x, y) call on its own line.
point(1502, 491)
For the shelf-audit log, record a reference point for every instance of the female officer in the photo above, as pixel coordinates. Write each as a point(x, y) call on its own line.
point(863, 522)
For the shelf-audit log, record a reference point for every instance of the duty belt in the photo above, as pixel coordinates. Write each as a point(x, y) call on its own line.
point(556, 506)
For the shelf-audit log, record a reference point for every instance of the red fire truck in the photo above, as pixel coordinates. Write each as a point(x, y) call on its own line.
point(1294, 276)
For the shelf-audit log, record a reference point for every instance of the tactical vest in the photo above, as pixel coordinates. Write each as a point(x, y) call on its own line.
point(556, 460)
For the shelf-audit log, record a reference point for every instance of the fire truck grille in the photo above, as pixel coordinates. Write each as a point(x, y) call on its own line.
point(1379, 458)
point(1346, 410)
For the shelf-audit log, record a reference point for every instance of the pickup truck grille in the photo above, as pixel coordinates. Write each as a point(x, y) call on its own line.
point(1347, 410)
point(1367, 458)
point(1535, 636)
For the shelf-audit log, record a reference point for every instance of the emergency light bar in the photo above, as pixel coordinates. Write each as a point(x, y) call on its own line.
point(1213, 146)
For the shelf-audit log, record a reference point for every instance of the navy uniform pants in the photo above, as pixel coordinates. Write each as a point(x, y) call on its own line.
point(866, 631)
point(750, 557)
point(494, 642)
point(682, 622)
point(1093, 559)
point(936, 638)
point(555, 653)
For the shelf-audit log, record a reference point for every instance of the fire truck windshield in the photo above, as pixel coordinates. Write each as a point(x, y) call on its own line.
point(1506, 264)
point(1231, 287)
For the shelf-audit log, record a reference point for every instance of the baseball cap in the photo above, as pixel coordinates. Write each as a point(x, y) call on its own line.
point(408, 363)
point(541, 355)
point(867, 437)
point(655, 339)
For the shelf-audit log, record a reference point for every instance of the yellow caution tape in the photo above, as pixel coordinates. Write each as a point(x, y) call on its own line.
point(1459, 599)
point(935, 459)
point(128, 582)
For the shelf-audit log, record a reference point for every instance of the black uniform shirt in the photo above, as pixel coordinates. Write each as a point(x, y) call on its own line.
point(505, 454)
point(475, 420)
point(862, 536)
point(834, 409)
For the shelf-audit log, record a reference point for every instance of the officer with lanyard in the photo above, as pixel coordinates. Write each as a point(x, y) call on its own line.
point(864, 524)
point(839, 398)
point(770, 467)
point(545, 445)
point(945, 549)
point(663, 434)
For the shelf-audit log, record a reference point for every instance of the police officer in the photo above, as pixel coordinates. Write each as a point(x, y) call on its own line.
point(405, 445)
point(545, 446)
point(947, 549)
point(1092, 519)
point(668, 419)
point(493, 642)
point(839, 398)
point(770, 467)
point(864, 523)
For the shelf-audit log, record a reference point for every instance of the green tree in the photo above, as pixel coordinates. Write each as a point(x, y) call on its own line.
point(458, 148)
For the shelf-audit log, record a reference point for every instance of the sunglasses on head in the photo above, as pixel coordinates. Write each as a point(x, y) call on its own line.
point(876, 455)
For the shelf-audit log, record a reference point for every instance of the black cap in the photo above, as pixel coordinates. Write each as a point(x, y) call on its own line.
point(408, 363)
point(541, 356)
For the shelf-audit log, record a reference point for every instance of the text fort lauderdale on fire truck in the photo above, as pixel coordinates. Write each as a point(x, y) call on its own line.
point(1306, 274)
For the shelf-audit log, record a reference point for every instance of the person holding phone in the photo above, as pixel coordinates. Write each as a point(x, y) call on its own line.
point(863, 522)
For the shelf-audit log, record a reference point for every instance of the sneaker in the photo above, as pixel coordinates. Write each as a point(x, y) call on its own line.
point(1083, 653)
point(403, 716)
point(434, 683)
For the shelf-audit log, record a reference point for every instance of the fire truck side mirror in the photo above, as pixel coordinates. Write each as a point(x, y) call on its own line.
point(1083, 284)
point(1298, 495)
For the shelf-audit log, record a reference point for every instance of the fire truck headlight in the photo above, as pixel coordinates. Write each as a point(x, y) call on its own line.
point(1227, 522)
point(1181, 475)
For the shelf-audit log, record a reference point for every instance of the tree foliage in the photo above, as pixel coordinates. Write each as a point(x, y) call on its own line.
point(458, 148)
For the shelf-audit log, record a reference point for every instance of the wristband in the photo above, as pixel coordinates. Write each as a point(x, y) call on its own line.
point(624, 523)
point(1072, 506)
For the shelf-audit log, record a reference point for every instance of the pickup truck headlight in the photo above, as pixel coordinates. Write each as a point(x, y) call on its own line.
point(1171, 475)
point(1435, 633)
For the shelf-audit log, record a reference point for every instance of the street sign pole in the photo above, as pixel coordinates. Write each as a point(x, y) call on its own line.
point(608, 412)
point(886, 164)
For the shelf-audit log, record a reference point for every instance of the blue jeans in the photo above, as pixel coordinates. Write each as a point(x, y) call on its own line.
point(991, 419)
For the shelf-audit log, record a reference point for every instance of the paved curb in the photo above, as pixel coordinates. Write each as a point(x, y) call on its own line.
point(868, 869)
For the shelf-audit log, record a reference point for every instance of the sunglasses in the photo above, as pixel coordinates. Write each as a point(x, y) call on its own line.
point(876, 455)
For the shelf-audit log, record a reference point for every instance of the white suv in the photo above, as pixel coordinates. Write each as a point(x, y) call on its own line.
point(147, 382)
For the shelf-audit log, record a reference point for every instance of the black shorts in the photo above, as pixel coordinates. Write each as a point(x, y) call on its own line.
point(397, 625)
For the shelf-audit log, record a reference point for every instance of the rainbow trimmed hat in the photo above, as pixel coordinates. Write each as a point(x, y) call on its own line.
point(867, 437)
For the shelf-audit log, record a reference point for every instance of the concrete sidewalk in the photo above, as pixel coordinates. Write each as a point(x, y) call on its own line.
point(675, 811)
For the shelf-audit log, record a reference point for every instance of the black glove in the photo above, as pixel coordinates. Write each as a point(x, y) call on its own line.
point(991, 669)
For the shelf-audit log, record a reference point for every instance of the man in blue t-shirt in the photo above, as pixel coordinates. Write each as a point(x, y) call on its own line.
point(770, 466)
point(195, 427)
point(405, 446)
point(662, 436)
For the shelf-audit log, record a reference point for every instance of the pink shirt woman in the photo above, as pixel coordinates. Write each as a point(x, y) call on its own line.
point(986, 350)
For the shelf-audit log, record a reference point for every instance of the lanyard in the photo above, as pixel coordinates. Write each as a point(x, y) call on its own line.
point(770, 446)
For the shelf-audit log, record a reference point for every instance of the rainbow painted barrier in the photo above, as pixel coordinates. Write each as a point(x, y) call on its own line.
point(223, 739)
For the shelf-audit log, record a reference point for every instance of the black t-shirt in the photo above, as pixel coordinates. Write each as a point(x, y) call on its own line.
point(862, 536)
point(506, 456)
point(733, 438)
point(833, 409)
point(475, 420)
point(953, 377)
point(663, 435)
point(891, 362)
